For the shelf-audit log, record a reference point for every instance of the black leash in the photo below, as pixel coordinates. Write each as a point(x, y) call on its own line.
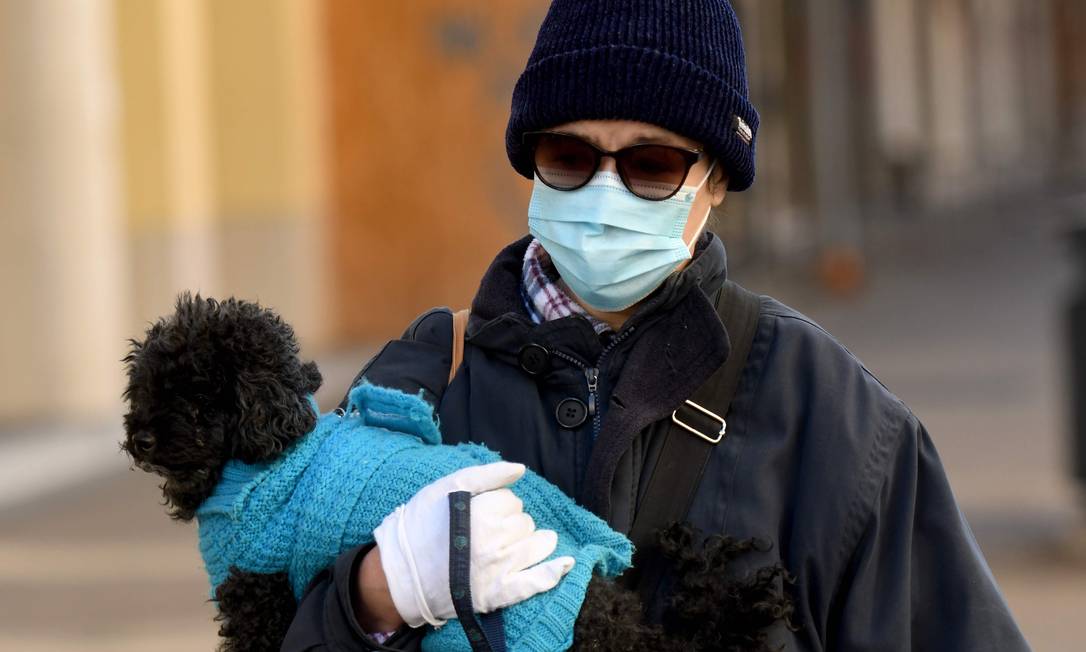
point(486, 632)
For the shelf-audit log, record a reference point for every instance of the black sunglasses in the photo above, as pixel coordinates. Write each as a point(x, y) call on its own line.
point(650, 171)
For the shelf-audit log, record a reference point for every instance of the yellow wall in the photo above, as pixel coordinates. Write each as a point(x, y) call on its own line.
point(139, 33)
point(250, 104)
point(222, 137)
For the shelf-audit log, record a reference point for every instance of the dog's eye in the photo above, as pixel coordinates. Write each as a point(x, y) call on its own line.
point(144, 442)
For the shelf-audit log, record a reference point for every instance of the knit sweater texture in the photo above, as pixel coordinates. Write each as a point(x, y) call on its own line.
point(329, 491)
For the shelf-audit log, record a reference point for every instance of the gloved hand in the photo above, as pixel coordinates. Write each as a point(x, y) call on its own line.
point(505, 547)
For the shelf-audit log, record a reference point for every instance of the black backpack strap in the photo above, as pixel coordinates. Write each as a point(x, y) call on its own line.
point(697, 427)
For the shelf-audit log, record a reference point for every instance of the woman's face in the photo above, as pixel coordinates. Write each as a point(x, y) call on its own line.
point(613, 135)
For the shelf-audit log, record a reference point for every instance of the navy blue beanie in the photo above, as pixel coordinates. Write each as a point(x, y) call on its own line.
point(677, 64)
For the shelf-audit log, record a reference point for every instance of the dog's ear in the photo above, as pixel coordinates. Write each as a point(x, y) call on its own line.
point(274, 414)
point(271, 385)
point(311, 377)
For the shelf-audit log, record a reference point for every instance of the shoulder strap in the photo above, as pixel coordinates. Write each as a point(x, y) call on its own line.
point(696, 428)
point(460, 327)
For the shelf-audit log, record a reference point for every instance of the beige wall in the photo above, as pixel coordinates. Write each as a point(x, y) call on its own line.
point(1000, 84)
point(62, 277)
point(950, 128)
point(150, 146)
point(268, 136)
point(223, 147)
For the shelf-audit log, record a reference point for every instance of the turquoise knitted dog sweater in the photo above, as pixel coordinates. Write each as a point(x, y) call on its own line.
point(330, 489)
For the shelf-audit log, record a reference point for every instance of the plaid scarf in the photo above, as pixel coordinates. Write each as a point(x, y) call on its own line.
point(544, 297)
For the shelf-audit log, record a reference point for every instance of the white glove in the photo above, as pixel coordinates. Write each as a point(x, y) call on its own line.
point(505, 547)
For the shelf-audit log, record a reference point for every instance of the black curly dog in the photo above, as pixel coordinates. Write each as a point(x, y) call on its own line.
point(222, 380)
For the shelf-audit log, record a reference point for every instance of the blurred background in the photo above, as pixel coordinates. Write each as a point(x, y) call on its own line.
point(921, 167)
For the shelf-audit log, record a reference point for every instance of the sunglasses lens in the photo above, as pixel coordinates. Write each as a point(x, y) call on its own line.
point(563, 162)
point(653, 172)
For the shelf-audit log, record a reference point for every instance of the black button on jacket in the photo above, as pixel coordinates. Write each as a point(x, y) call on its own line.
point(820, 458)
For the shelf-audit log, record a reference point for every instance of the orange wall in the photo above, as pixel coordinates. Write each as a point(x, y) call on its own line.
point(422, 194)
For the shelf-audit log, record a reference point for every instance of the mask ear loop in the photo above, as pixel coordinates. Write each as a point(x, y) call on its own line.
point(697, 188)
point(705, 220)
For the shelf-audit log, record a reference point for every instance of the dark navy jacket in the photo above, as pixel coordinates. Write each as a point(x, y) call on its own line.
point(819, 458)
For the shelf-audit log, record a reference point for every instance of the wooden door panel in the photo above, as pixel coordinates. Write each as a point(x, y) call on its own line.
point(422, 193)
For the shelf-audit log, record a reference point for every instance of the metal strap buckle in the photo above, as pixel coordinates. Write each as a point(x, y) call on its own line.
point(716, 417)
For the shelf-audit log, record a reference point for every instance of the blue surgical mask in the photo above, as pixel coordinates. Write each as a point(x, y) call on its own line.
point(611, 247)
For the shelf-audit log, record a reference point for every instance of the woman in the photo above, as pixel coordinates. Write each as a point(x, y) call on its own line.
point(633, 119)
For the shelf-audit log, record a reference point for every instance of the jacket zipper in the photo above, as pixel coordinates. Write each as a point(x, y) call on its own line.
point(592, 377)
point(593, 385)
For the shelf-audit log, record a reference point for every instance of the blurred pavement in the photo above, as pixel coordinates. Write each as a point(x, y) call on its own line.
point(961, 319)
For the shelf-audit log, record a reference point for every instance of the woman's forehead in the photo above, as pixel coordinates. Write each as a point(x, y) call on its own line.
point(616, 134)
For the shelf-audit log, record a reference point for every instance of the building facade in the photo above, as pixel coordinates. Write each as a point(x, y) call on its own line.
point(343, 161)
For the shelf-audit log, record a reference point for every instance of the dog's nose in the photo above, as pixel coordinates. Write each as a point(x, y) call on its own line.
point(144, 442)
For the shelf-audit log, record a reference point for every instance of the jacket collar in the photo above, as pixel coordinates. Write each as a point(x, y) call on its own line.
point(673, 343)
point(500, 295)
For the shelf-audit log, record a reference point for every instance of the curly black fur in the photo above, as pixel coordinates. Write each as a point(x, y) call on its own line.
point(255, 610)
point(712, 610)
point(611, 620)
point(707, 610)
point(214, 381)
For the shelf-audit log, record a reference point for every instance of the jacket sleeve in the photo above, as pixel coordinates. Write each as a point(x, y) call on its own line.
point(325, 617)
point(917, 579)
point(418, 361)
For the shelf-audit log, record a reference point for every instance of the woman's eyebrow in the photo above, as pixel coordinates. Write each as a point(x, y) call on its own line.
point(673, 140)
point(637, 139)
point(659, 139)
point(589, 137)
